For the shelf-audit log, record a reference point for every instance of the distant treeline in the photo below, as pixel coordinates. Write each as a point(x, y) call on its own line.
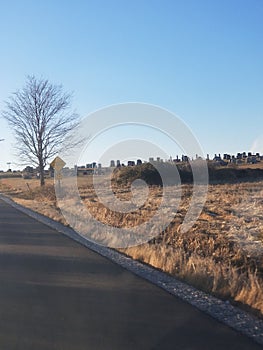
point(153, 175)
point(7, 175)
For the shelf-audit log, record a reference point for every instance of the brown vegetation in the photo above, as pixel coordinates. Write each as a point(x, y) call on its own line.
point(221, 253)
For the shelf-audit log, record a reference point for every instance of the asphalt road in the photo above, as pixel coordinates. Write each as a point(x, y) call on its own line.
point(57, 294)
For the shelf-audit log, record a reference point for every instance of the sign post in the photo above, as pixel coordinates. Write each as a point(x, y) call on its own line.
point(57, 164)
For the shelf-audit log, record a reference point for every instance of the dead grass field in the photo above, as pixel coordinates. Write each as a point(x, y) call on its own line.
point(221, 253)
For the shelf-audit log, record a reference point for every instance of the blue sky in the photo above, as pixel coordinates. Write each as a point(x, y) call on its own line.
point(200, 59)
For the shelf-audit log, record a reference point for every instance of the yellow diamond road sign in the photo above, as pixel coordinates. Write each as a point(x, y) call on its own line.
point(57, 164)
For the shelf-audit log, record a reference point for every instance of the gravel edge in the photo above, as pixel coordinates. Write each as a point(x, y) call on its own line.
point(223, 311)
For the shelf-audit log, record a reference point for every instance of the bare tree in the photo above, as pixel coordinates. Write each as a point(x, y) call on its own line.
point(40, 117)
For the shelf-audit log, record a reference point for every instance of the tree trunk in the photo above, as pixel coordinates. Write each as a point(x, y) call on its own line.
point(41, 175)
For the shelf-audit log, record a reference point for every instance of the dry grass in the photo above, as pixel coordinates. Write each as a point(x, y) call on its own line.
point(221, 253)
point(29, 194)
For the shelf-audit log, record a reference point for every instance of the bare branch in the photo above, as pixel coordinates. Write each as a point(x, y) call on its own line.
point(40, 117)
